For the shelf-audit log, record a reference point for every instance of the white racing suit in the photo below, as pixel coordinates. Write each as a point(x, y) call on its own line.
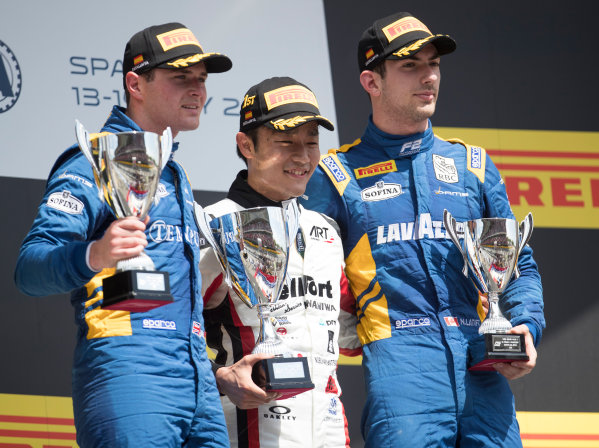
point(307, 319)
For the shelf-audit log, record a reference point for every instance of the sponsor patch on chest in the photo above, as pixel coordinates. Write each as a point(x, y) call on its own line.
point(445, 169)
point(381, 191)
point(376, 169)
point(157, 324)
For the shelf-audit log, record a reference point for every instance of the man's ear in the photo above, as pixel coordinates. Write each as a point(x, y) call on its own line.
point(132, 81)
point(371, 82)
point(245, 145)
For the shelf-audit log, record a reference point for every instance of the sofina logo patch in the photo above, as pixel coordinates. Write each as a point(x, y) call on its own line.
point(65, 202)
point(10, 78)
point(445, 169)
point(381, 191)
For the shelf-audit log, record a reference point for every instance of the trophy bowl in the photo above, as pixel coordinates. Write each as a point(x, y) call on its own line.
point(127, 168)
point(252, 247)
point(490, 250)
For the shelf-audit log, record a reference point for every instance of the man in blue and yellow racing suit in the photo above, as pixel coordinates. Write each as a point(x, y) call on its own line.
point(139, 379)
point(417, 313)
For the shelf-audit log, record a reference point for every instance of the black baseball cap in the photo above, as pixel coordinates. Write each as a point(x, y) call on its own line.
point(170, 45)
point(398, 36)
point(280, 103)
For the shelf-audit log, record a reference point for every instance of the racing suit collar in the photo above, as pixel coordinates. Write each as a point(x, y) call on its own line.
point(241, 193)
point(118, 121)
point(398, 145)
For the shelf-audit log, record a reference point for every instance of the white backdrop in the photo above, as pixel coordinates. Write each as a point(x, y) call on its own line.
point(69, 54)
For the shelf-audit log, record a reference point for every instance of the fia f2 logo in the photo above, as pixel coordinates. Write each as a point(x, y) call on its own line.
point(10, 78)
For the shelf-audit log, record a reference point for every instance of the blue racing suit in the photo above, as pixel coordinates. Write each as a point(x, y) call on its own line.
point(417, 313)
point(139, 379)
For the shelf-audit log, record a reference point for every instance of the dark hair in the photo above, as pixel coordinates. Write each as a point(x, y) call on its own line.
point(149, 75)
point(253, 135)
point(381, 69)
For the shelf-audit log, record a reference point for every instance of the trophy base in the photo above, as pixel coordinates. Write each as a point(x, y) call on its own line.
point(287, 376)
point(136, 291)
point(499, 347)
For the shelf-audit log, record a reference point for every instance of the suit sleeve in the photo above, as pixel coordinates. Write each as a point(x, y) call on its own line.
point(214, 288)
point(349, 343)
point(522, 301)
point(52, 258)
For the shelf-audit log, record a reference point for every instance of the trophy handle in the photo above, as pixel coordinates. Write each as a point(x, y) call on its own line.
point(450, 227)
point(166, 145)
point(83, 141)
point(203, 222)
point(525, 233)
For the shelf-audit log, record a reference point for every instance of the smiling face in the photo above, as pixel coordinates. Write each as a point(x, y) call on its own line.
point(168, 97)
point(281, 162)
point(405, 97)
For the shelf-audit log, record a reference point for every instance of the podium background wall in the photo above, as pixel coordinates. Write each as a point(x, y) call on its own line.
point(522, 79)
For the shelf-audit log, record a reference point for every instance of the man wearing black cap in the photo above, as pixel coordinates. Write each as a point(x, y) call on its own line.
point(278, 140)
point(417, 313)
point(139, 379)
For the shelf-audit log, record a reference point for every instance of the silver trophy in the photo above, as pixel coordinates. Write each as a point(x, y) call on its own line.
point(127, 168)
point(491, 247)
point(252, 247)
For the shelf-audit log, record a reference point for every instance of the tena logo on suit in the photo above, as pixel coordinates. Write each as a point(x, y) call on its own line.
point(10, 78)
point(381, 191)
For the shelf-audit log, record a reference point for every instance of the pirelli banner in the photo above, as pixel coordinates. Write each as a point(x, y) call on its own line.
point(28, 421)
point(553, 174)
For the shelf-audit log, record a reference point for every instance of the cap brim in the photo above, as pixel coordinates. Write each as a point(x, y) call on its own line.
point(293, 120)
point(215, 62)
point(444, 44)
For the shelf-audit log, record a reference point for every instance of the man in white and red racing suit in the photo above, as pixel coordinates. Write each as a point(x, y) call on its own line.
point(311, 305)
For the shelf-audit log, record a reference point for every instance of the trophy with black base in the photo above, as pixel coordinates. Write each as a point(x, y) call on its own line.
point(127, 168)
point(252, 247)
point(491, 247)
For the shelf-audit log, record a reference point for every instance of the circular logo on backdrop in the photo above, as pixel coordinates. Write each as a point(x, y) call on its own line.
point(10, 78)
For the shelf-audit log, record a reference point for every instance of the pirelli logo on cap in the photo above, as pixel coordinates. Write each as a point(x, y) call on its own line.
point(376, 169)
point(176, 38)
point(403, 26)
point(289, 95)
